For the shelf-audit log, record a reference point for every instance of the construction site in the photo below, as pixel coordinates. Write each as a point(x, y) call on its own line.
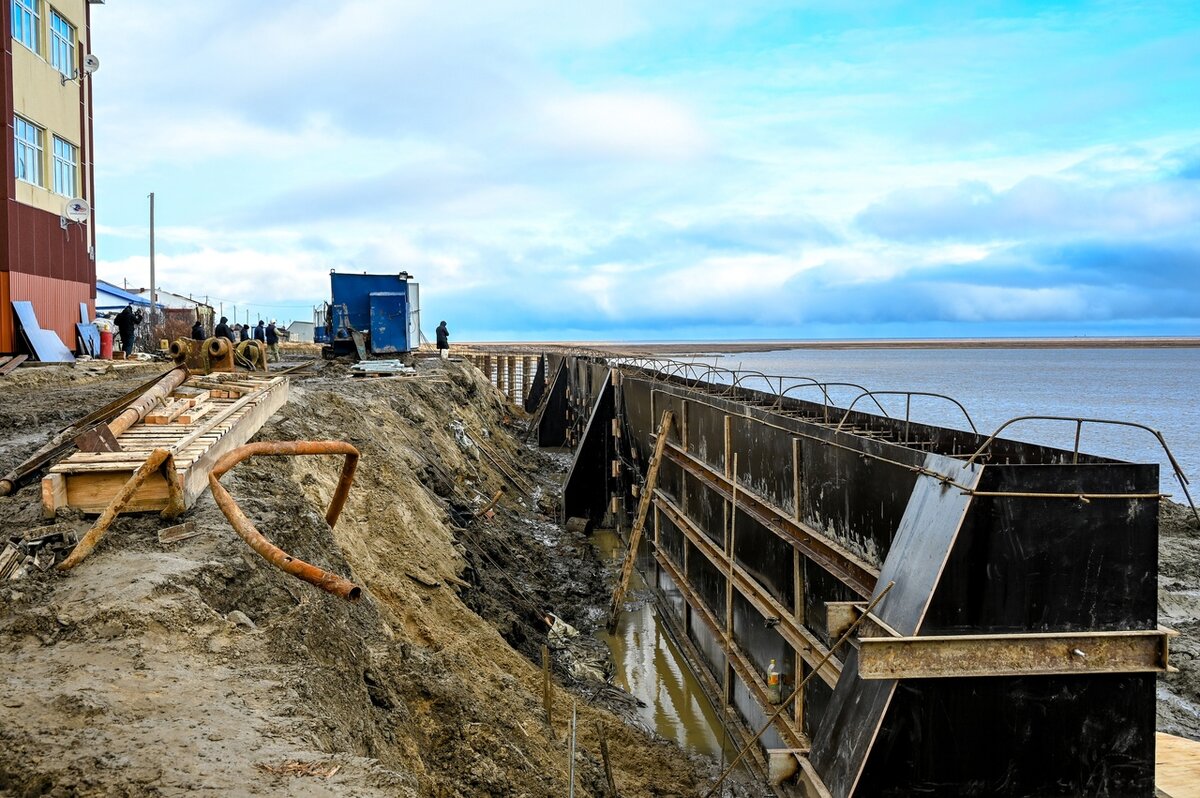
point(330, 578)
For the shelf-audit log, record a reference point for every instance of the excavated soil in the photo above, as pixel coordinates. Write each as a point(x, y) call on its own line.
point(1179, 609)
point(196, 667)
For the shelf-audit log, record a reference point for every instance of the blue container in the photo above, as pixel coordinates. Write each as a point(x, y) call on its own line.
point(384, 306)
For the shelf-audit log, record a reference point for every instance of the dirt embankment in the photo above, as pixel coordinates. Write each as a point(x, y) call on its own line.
point(196, 667)
point(1179, 609)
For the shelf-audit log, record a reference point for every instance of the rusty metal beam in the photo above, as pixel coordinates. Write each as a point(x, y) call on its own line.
point(799, 638)
point(1043, 654)
point(853, 572)
point(841, 615)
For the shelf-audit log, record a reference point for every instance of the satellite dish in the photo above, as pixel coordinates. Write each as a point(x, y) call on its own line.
point(77, 210)
point(91, 63)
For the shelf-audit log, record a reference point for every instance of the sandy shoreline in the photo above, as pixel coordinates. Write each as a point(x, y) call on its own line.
point(733, 347)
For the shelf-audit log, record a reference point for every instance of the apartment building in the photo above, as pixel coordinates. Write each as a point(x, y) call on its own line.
point(47, 250)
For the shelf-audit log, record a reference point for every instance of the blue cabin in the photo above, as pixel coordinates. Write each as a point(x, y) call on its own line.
point(382, 311)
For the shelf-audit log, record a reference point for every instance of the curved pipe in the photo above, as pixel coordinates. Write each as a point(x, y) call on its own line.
point(245, 528)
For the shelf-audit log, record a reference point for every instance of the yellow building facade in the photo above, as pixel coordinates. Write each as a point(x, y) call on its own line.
point(45, 257)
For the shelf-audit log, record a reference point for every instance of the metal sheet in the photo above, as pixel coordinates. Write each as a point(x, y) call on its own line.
point(46, 345)
point(923, 543)
point(89, 339)
point(389, 323)
point(585, 490)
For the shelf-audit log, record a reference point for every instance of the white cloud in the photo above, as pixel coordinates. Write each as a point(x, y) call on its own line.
point(629, 124)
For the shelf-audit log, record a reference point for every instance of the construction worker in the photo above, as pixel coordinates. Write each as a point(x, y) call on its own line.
point(273, 341)
point(223, 331)
point(260, 332)
point(198, 331)
point(127, 321)
point(443, 340)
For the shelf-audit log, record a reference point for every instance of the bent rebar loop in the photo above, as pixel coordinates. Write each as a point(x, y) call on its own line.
point(907, 405)
point(245, 528)
point(1079, 421)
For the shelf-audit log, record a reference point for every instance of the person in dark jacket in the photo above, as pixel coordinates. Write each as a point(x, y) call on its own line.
point(127, 321)
point(198, 331)
point(443, 340)
point(273, 341)
point(223, 331)
point(260, 332)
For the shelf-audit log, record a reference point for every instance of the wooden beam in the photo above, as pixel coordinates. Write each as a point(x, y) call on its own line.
point(635, 537)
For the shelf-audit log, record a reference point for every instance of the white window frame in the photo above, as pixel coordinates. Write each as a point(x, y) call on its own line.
point(62, 48)
point(66, 167)
point(27, 22)
point(30, 153)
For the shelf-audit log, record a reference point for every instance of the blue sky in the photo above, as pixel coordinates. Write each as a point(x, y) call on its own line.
point(664, 170)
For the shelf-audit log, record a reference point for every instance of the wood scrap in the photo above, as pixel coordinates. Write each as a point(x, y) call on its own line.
point(169, 412)
point(195, 413)
point(11, 363)
point(10, 558)
point(174, 534)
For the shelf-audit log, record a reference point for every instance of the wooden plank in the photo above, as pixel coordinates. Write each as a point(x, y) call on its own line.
point(12, 363)
point(196, 413)
point(168, 413)
point(635, 537)
point(1177, 766)
point(197, 395)
point(54, 494)
point(91, 493)
point(195, 482)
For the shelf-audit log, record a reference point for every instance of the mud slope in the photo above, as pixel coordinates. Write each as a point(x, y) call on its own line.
point(1179, 609)
point(196, 667)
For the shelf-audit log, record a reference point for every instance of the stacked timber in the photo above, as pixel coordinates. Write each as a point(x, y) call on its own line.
point(198, 420)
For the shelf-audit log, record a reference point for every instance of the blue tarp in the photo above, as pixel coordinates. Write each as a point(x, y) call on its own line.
point(109, 297)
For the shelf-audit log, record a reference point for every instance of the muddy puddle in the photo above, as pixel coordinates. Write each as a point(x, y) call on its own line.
point(649, 666)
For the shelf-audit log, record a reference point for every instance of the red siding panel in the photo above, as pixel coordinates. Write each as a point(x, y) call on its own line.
point(56, 303)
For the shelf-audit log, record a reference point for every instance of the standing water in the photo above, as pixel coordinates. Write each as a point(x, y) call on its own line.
point(650, 667)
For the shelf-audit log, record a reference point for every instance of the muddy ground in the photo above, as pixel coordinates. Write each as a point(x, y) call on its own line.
point(195, 667)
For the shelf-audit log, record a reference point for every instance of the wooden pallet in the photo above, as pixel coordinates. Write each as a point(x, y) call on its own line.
point(198, 436)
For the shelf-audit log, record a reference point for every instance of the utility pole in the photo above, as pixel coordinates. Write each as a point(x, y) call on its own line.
point(153, 292)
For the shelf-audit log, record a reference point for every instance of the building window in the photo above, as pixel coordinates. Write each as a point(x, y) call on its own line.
point(28, 138)
point(25, 20)
point(66, 167)
point(62, 44)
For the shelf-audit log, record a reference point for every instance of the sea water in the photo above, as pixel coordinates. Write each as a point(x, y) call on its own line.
point(1159, 388)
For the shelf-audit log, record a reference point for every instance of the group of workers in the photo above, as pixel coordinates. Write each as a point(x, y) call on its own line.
point(127, 320)
point(268, 334)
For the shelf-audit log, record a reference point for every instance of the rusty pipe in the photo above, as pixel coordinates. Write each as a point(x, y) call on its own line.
point(157, 459)
point(138, 409)
point(218, 347)
point(245, 528)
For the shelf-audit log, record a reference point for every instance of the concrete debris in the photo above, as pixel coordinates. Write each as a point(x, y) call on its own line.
point(239, 618)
